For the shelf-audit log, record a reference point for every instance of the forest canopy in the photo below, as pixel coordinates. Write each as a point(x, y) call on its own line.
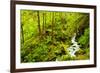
point(54, 36)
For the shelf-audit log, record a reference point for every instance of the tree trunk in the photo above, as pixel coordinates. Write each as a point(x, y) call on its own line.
point(22, 34)
point(39, 27)
point(52, 25)
point(45, 22)
point(43, 31)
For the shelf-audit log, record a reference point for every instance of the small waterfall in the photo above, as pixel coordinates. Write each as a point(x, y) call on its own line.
point(74, 47)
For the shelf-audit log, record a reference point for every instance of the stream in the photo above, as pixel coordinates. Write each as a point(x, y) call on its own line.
point(74, 47)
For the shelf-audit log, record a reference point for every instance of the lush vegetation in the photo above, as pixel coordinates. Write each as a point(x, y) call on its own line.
point(46, 35)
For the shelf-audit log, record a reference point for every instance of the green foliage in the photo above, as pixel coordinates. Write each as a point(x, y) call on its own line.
point(84, 39)
point(46, 35)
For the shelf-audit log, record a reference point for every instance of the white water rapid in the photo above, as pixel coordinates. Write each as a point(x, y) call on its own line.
point(74, 47)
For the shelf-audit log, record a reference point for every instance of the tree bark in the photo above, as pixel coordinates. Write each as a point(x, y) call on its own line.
point(52, 24)
point(45, 22)
point(39, 27)
point(43, 31)
point(22, 33)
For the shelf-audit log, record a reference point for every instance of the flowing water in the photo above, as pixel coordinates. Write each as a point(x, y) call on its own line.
point(74, 47)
